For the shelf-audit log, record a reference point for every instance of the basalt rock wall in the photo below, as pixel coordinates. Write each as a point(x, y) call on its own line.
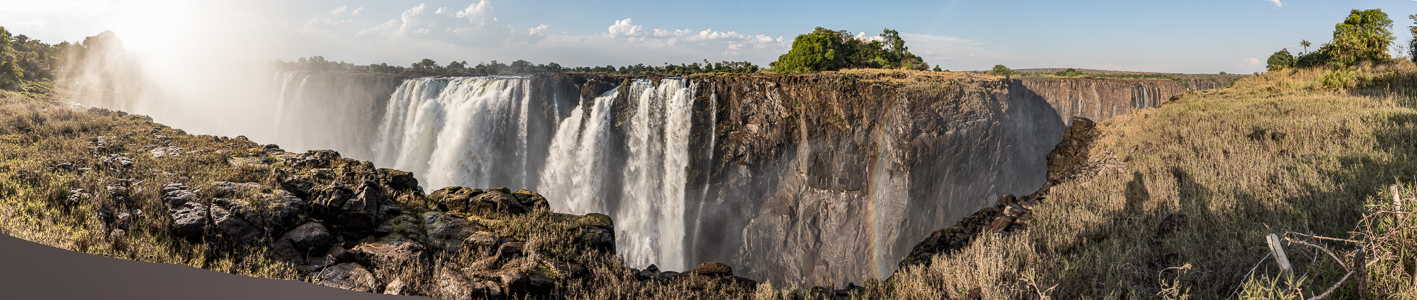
point(1102, 99)
point(825, 178)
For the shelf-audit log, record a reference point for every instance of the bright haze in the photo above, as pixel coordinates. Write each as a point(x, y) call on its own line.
point(1157, 36)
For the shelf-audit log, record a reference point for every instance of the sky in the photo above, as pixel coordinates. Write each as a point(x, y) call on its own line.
point(1234, 36)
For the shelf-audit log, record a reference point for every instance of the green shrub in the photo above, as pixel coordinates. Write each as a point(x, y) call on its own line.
point(1280, 60)
point(1338, 78)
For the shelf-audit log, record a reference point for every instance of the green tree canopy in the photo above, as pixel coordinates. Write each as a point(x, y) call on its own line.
point(1280, 60)
point(10, 72)
point(1364, 35)
point(825, 50)
point(1001, 70)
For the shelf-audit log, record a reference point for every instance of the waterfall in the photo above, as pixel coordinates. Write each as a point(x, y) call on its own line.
point(472, 131)
point(656, 173)
point(282, 104)
point(457, 131)
point(578, 159)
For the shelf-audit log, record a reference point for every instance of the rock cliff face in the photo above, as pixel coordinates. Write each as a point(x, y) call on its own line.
point(1102, 99)
point(825, 178)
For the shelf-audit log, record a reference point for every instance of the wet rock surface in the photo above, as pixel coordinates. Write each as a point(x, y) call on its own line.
point(1068, 159)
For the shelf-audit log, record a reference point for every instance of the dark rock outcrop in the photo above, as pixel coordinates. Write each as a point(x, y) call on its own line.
point(349, 276)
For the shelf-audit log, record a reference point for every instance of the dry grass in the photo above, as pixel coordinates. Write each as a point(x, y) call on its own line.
point(39, 135)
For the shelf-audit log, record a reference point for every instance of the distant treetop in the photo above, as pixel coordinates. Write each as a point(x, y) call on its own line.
point(827, 50)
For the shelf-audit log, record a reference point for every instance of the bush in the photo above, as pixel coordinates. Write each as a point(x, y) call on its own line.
point(1280, 60)
point(1001, 70)
point(1338, 78)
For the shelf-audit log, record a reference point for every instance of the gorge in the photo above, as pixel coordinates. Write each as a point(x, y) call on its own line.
point(817, 178)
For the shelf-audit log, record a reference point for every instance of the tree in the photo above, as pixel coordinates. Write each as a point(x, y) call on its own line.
point(810, 53)
point(10, 72)
point(1001, 70)
point(897, 45)
point(1280, 60)
point(824, 50)
point(937, 68)
point(1306, 45)
point(1412, 44)
point(1364, 35)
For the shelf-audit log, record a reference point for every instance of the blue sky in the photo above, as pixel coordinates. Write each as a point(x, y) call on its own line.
point(1163, 36)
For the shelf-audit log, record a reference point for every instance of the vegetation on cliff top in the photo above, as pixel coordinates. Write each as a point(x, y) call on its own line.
point(827, 50)
point(1363, 36)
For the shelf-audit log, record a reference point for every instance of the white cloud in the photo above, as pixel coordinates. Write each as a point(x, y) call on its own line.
point(1252, 61)
point(1276, 3)
point(411, 21)
point(338, 10)
point(538, 30)
point(475, 13)
point(475, 26)
point(357, 10)
point(623, 28)
point(862, 36)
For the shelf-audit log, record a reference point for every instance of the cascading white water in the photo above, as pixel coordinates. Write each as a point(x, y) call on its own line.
point(656, 174)
point(457, 131)
point(281, 104)
point(472, 131)
point(578, 159)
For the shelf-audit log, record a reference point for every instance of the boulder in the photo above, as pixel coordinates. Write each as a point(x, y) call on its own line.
point(287, 207)
point(395, 288)
point(329, 201)
point(511, 250)
point(447, 231)
point(398, 180)
point(189, 220)
point(349, 276)
point(362, 211)
point(403, 225)
point(456, 286)
point(392, 251)
point(519, 284)
point(532, 200)
point(310, 237)
point(453, 198)
point(176, 194)
point(483, 240)
point(232, 227)
point(711, 269)
point(496, 202)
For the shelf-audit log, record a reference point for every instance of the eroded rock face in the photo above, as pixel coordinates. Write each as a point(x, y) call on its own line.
point(823, 178)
